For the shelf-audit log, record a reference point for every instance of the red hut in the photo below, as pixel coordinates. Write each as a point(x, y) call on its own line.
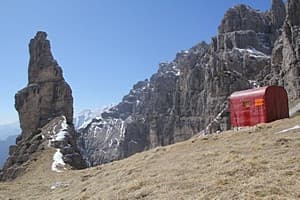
point(259, 105)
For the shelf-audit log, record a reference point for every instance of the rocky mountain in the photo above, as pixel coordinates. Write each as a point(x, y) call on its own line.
point(185, 97)
point(285, 63)
point(45, 108)
point(83, 118)
point(189, 95)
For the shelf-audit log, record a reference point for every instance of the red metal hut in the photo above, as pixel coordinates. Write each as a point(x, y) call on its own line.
point(259, 105)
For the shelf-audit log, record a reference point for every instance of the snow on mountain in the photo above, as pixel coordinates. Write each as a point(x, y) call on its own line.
point(83, 118)
point(102, 137)
point(57, 161)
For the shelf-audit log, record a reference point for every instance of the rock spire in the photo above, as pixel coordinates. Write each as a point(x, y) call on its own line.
point(47, 95)
point(45, 108)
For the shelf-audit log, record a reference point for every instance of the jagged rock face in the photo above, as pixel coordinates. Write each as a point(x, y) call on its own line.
point(122, 131)
point(243, 27)
point(57, 134)
point(277, 13)
point(105, 147)
point(42, 66)
point(286, 54)
point(47, 94)
point(61, 135)
point(189, 95)
point(243, 17)
point(293, 12)
point(41, 106)
point(207, 86)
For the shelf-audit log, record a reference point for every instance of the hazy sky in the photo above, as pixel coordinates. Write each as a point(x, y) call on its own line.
point(103, 46)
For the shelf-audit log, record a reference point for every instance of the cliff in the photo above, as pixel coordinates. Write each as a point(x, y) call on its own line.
point(189, 95)
point(285, 67)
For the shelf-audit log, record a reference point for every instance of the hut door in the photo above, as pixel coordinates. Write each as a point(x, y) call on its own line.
point(246, 113)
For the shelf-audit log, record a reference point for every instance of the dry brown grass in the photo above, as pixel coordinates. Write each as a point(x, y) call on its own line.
point(248, 164)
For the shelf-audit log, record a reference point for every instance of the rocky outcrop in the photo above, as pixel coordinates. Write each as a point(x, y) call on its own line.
point(277, 14)
point(46, 97)
point(285, 68)
point(242, 18)
point(243, 27)
point(189, 95)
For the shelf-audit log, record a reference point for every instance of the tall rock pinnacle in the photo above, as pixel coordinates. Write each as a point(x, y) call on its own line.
point(47, 94)
point(45, 108)
point(42, 66)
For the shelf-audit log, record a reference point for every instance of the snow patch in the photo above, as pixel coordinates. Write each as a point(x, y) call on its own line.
point(184, 52)
point(57, 161)
point(123, 129)
point(60, 136)
point(254, 83)
point(84, 118)
point(138, 102)
point(217, 119)
point(133, 141)
point(59, 185)
point(289, 129)
point(85, 124)
point(253, 53)
point(101, 150)
point(233, 72)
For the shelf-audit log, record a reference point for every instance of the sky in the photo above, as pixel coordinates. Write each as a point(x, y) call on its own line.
point(103, 46)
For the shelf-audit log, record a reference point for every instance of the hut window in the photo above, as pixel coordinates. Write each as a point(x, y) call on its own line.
point(246, 104)
point(259, 102)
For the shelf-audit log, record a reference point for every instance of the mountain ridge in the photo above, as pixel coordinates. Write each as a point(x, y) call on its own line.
point(189, 95)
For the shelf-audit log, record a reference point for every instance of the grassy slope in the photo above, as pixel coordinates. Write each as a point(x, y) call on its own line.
point(249, 164)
